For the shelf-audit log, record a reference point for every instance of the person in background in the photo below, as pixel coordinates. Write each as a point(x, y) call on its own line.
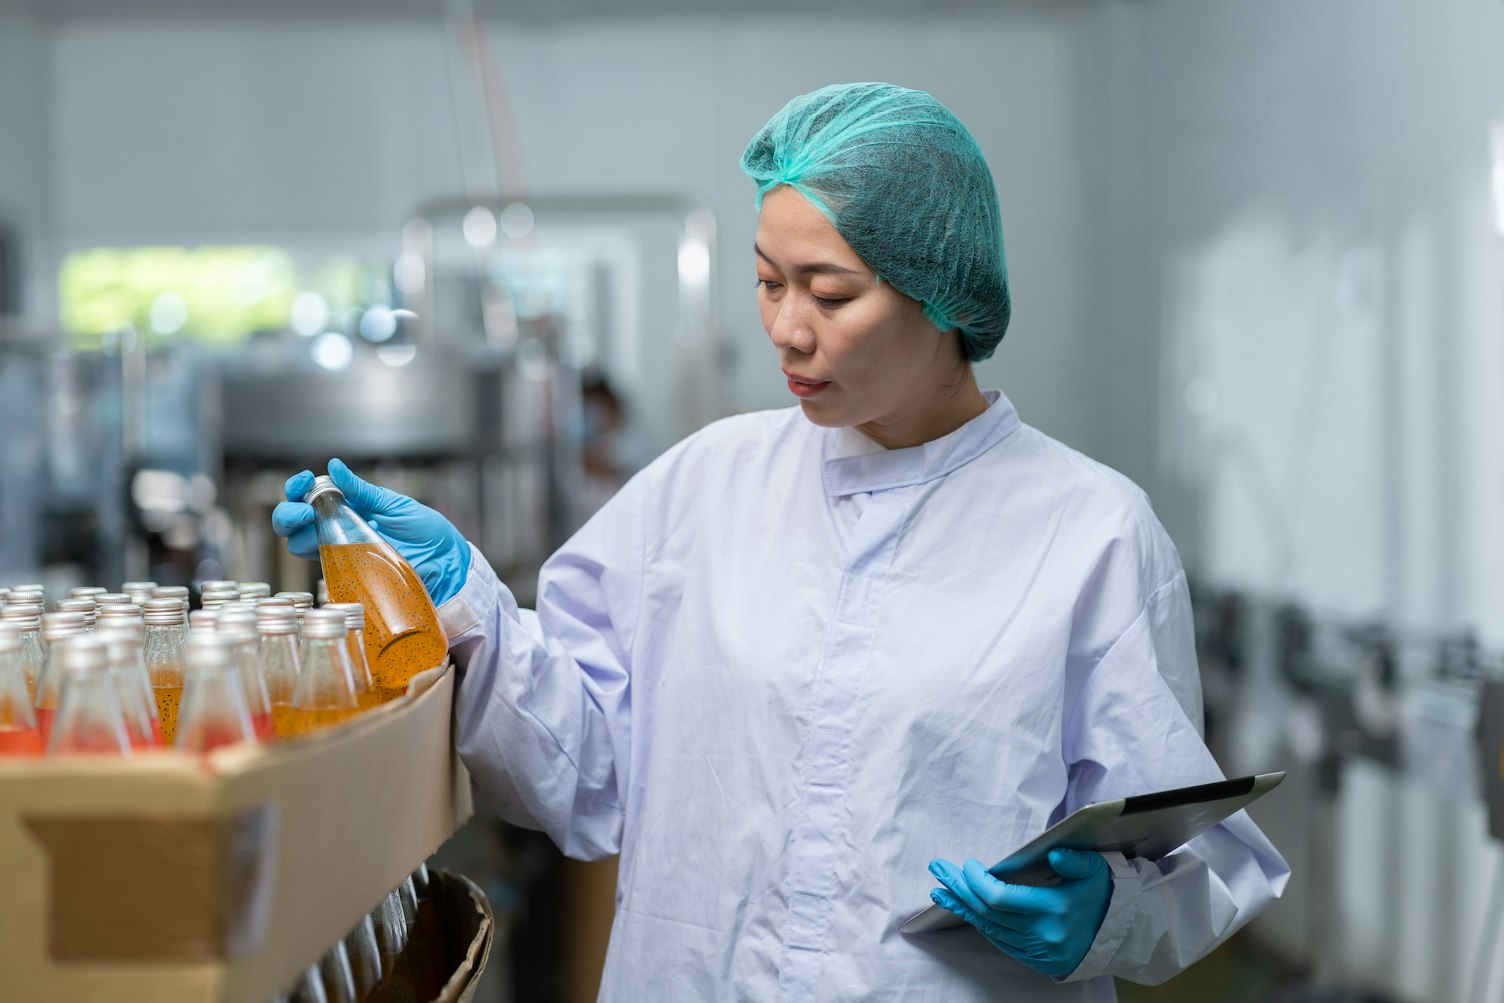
point(809, 658)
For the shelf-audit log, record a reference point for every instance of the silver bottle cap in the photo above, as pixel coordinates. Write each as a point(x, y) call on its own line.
point(325, 624)
point(355, 614)
point(323, 485)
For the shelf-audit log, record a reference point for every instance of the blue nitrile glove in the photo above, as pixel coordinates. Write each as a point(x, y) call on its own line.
point(424, 538)
point(1048, 928)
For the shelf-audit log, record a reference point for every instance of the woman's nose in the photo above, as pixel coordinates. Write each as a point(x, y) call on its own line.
point(790, 330)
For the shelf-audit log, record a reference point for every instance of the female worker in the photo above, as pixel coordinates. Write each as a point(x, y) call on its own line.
point(809, 657)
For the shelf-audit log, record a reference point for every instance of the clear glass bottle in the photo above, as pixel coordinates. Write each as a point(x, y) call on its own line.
point(280, 661)
point(125, 647)
point(325, 693)
point(165, 660)
point(238, 626)
point(88, 719)
point(366, 690)
point(213, 711)
point(365, 957)
point(56, 629)
point(27, 618)
point(402, 634)
point(19, 734)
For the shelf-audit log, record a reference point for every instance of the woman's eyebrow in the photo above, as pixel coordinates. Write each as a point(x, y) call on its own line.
point(818, 267)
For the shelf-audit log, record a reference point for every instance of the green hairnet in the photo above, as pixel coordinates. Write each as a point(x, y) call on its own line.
point(907, 187)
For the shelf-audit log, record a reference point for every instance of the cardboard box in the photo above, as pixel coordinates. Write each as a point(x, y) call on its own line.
point(174, 877)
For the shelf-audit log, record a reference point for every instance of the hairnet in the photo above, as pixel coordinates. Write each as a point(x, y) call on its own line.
point(905, 185)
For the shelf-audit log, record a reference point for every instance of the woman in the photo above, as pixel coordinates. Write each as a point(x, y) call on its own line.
point(808, 657)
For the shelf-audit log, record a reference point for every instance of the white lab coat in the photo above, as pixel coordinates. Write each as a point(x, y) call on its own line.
point(784, 668)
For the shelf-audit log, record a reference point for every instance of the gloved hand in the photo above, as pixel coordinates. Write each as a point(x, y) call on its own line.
point(424, 538)
point(1048, 928)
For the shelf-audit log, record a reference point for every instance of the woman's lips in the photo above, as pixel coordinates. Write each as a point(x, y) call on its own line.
point(803, 386)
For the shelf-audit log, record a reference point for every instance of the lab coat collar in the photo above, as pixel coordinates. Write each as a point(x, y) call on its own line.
point(886, 469)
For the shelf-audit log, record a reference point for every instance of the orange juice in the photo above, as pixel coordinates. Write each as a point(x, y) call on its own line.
point(402, 635)
point(44, 723)
point(168, 698)
point(20, 742)
point(290, 722)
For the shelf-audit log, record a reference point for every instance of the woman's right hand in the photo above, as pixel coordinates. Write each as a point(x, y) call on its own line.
point(438, 552)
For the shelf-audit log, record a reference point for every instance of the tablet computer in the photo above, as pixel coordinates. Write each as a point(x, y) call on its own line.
point(1149, 825)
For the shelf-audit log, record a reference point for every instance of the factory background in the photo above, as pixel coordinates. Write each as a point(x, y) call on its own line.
point(1256, 252)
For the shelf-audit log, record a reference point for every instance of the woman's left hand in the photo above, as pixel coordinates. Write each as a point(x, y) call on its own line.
point(1048, 928)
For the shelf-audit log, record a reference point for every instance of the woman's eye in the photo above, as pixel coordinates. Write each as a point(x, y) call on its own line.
point(768, 284)
point(828, 303)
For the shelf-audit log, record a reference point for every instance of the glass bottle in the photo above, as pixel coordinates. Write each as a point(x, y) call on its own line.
point(88, 718)
point(325, 694)
point(365, 957)
point(366, 690)
point(164, 660)
point(125, 647)
point(339, 980)
point(403, 636)
point(27, 618)
point(19, 734)
point(56, 628)
point(213, 711)
point(278, 627)
point(239, 628)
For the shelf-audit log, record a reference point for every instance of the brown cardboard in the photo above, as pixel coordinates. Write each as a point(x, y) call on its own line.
point(283, 847)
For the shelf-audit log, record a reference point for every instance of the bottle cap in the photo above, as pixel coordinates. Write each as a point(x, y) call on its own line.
point(325, 624)
point(25, 618)
point(76, 605)
point(302, 600)
point(163, 612)
point(323, 485)
point(108, 598)
point(254, 590)
point(355, 614)
point(58, 625)
point(119, 611)
point(170, 592)
point(277, 620)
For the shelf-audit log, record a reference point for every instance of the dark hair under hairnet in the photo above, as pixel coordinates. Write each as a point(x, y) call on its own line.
point(905, 185)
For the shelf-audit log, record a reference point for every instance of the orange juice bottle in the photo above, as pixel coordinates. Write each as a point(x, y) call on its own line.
point(19, 735)
point(213, 711)
point(57, 629)
point(402, 634)
point(326, 693)
point(164, 660)
point(88, 720)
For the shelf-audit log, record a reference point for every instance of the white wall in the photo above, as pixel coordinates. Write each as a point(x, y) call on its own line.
point(1308, 254)
point(25, 138)
point(213, 130)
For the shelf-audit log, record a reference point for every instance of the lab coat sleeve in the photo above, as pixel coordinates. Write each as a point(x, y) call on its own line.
point(1136, 728)
point(542, 715)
